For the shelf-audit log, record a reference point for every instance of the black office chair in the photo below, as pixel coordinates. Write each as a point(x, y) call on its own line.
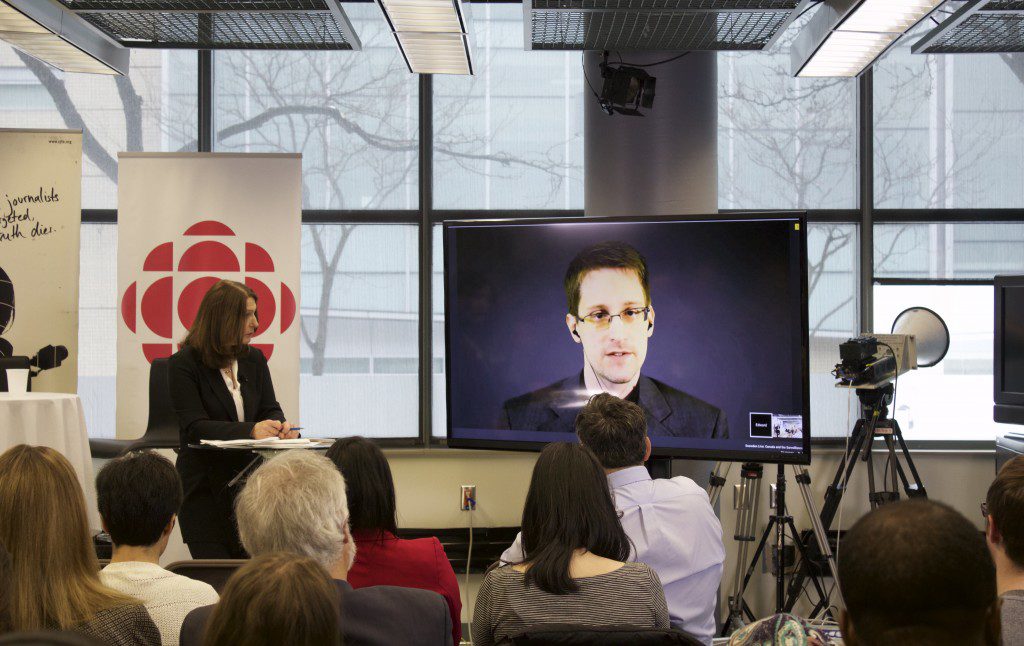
point(161, 428)
point(573, 635)
point(216, 572)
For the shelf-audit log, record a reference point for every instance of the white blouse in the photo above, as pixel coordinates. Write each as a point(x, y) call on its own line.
point(230, 376)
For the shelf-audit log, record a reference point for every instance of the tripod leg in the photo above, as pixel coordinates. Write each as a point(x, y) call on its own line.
point(746, 503)
point(757, 555)
point(717, 481)
point(833, 497)
point(835, 492)
point(803, 555)
point(817, 544)
point(917, 489)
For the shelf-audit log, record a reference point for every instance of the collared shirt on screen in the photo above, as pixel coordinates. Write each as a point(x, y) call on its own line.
point(675, 531)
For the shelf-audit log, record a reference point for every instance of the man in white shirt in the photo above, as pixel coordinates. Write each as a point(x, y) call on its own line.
point(138, 497)
point(670, 522)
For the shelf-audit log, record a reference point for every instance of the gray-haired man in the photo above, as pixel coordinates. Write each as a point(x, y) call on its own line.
point(296, 502)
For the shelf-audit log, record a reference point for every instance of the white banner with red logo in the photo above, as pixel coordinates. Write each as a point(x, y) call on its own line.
point(40, 233)
point(184, 222)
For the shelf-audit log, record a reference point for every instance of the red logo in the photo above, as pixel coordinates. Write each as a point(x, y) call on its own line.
point(207, 252)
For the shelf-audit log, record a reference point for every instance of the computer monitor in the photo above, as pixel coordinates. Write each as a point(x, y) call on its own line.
point(702, 321)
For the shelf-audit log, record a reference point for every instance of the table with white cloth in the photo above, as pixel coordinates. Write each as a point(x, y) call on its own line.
point(55, 420)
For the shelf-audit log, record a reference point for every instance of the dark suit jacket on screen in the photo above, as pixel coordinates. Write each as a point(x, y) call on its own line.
point(206, 411)
point(668, 411)
point(381, 615)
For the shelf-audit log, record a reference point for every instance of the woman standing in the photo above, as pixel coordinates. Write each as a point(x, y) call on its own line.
point(221, 390)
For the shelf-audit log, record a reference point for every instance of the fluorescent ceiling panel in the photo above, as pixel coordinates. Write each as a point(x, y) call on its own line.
point(431, 35)
point(845, 37)
point(50, 33)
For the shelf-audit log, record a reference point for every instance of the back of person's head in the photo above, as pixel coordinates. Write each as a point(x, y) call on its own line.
point(5, 590)
point(54, 572)
point(568, 506)
point(295, 502)
point(273, 599)
point(138, 494)
point(916, 572)
point(614, 429)
point(782, 629)
point(371, 489)
point(1005, 503)
point(48, 638)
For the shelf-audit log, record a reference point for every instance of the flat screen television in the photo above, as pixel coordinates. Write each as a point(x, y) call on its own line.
point(702, 320)
point(1008, 354)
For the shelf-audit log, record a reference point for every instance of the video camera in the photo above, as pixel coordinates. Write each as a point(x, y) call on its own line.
point(863, 365)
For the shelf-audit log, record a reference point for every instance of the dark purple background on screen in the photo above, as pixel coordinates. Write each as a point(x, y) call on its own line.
point(725, 295)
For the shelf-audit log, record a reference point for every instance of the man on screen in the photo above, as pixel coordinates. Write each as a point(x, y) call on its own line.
point(611, 317)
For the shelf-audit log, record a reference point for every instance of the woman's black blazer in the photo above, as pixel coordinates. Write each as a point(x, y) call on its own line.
point(206, 411)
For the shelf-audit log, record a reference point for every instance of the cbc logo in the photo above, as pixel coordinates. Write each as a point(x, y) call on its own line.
point(206, 252)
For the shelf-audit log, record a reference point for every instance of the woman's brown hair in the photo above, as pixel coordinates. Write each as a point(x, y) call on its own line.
point(55, 581)
point(277, 598)
point(216, 331)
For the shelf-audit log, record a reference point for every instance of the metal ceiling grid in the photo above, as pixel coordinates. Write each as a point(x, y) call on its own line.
point(981, 26)
point(224, 24)
point(660, 25)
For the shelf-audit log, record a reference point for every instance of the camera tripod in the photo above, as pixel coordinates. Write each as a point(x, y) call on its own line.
point(747, 503)
point(874, 423)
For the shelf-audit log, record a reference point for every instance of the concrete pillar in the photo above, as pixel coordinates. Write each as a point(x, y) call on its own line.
point(664, 163)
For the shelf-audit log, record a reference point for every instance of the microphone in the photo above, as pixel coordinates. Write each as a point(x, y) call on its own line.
point(242, 379)
point(49, 357)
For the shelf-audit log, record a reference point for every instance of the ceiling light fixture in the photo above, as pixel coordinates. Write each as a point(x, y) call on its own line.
point(432, 35)
point(844, 37)
point(44, 29)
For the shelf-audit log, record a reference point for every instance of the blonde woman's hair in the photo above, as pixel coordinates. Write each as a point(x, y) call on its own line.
point(55, 581)
point(278, 598)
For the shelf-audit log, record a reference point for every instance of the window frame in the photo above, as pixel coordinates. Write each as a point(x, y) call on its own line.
point(865, 215)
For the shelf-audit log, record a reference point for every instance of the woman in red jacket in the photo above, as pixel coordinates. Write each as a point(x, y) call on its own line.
point(381, 557)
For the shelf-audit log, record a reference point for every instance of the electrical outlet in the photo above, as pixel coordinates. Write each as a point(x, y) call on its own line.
point(467, 499)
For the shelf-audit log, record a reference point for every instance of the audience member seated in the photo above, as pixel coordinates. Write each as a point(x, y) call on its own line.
point(139, 496)
point(55, 583)
point(277, 599)
point(5, 590)
point(48, 638)
point(1004, 533)
point(916, 573)
point(779, 630)
point(383, 558)
point(669, 522)
point(296, 503)
point(574, 548)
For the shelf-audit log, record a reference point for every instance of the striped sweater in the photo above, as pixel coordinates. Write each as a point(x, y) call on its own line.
point(629, 596)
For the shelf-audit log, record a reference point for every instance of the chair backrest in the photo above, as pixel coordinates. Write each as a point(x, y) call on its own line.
point(162, 423)
point(216, 572)
point(575, 635)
